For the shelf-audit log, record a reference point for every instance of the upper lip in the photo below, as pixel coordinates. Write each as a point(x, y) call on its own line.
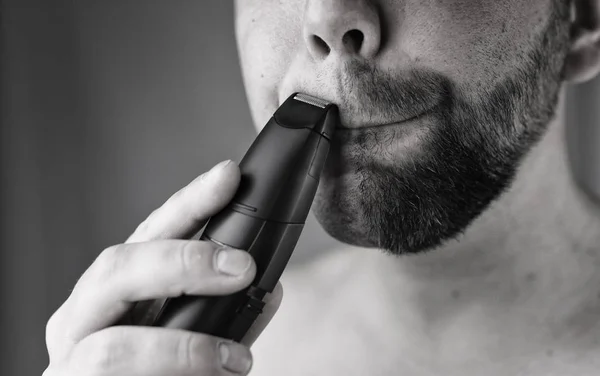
point(356, 118)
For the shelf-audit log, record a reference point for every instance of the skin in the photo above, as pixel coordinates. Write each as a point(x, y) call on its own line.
point(484, 90)
point(469, 248)
point(91, 333)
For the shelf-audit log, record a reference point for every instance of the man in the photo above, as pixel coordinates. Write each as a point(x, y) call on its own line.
point(470, 250)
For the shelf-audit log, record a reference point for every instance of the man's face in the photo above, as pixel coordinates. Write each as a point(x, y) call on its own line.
point(441, 99)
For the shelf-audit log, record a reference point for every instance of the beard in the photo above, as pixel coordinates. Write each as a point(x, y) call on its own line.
point(466, 160)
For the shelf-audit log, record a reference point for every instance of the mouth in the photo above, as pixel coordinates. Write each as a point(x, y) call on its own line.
point(357, 125)
point(356, 119)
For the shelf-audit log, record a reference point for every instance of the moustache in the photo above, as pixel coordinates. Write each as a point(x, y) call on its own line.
point(370, 97)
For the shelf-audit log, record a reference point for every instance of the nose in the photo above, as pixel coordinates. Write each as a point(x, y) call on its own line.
point(342, 27)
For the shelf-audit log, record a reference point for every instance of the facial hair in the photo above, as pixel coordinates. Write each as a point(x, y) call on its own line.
point(467, 160)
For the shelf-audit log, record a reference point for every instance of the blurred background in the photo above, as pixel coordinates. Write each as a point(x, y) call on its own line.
point(109, 107)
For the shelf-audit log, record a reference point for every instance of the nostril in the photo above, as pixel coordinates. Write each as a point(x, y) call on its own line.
point(320, 45)
point(353, 40)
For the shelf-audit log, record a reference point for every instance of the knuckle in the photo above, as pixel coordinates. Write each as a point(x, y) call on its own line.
point(193, 352)
point(52, 326)
point(146, 224)
point(153, 214)
point(177, 195)
point(102, 351)
point(193, 255)
point(54, 332)
point(143, 227)
point(140, 229)
point(109, 261)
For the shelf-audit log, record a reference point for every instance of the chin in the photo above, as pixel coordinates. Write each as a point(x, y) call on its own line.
point(359, 209)
point(403, 197)
point(366, 195)
point(336, 209)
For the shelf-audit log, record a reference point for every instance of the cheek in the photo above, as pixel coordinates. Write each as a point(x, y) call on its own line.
point(475, 42)
point(268, 37)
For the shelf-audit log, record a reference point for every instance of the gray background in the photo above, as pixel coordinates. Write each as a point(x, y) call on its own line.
point(108, 107)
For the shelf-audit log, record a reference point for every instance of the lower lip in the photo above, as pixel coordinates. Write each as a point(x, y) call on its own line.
point(353, 149)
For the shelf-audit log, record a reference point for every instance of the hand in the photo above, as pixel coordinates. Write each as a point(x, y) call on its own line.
point(156, 262)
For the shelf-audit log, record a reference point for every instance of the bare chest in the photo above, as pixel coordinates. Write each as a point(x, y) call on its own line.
point(313, 343)
point(344, 326)
point(352, 353)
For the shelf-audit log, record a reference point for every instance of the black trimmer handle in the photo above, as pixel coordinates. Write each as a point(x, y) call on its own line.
point(280, 176)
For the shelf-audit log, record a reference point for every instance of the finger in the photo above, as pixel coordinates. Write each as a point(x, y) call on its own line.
point(147, 351)
point(272, 303)
point(140, 271)
point(184, 213)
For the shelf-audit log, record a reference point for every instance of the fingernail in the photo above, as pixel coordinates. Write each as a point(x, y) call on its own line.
point(234, 357)
point(220, 166)
point(233, 261)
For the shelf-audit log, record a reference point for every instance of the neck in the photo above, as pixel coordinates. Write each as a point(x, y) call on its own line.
point(526, 271)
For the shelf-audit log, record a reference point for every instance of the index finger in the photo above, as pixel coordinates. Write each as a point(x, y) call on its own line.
point(184, 213)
